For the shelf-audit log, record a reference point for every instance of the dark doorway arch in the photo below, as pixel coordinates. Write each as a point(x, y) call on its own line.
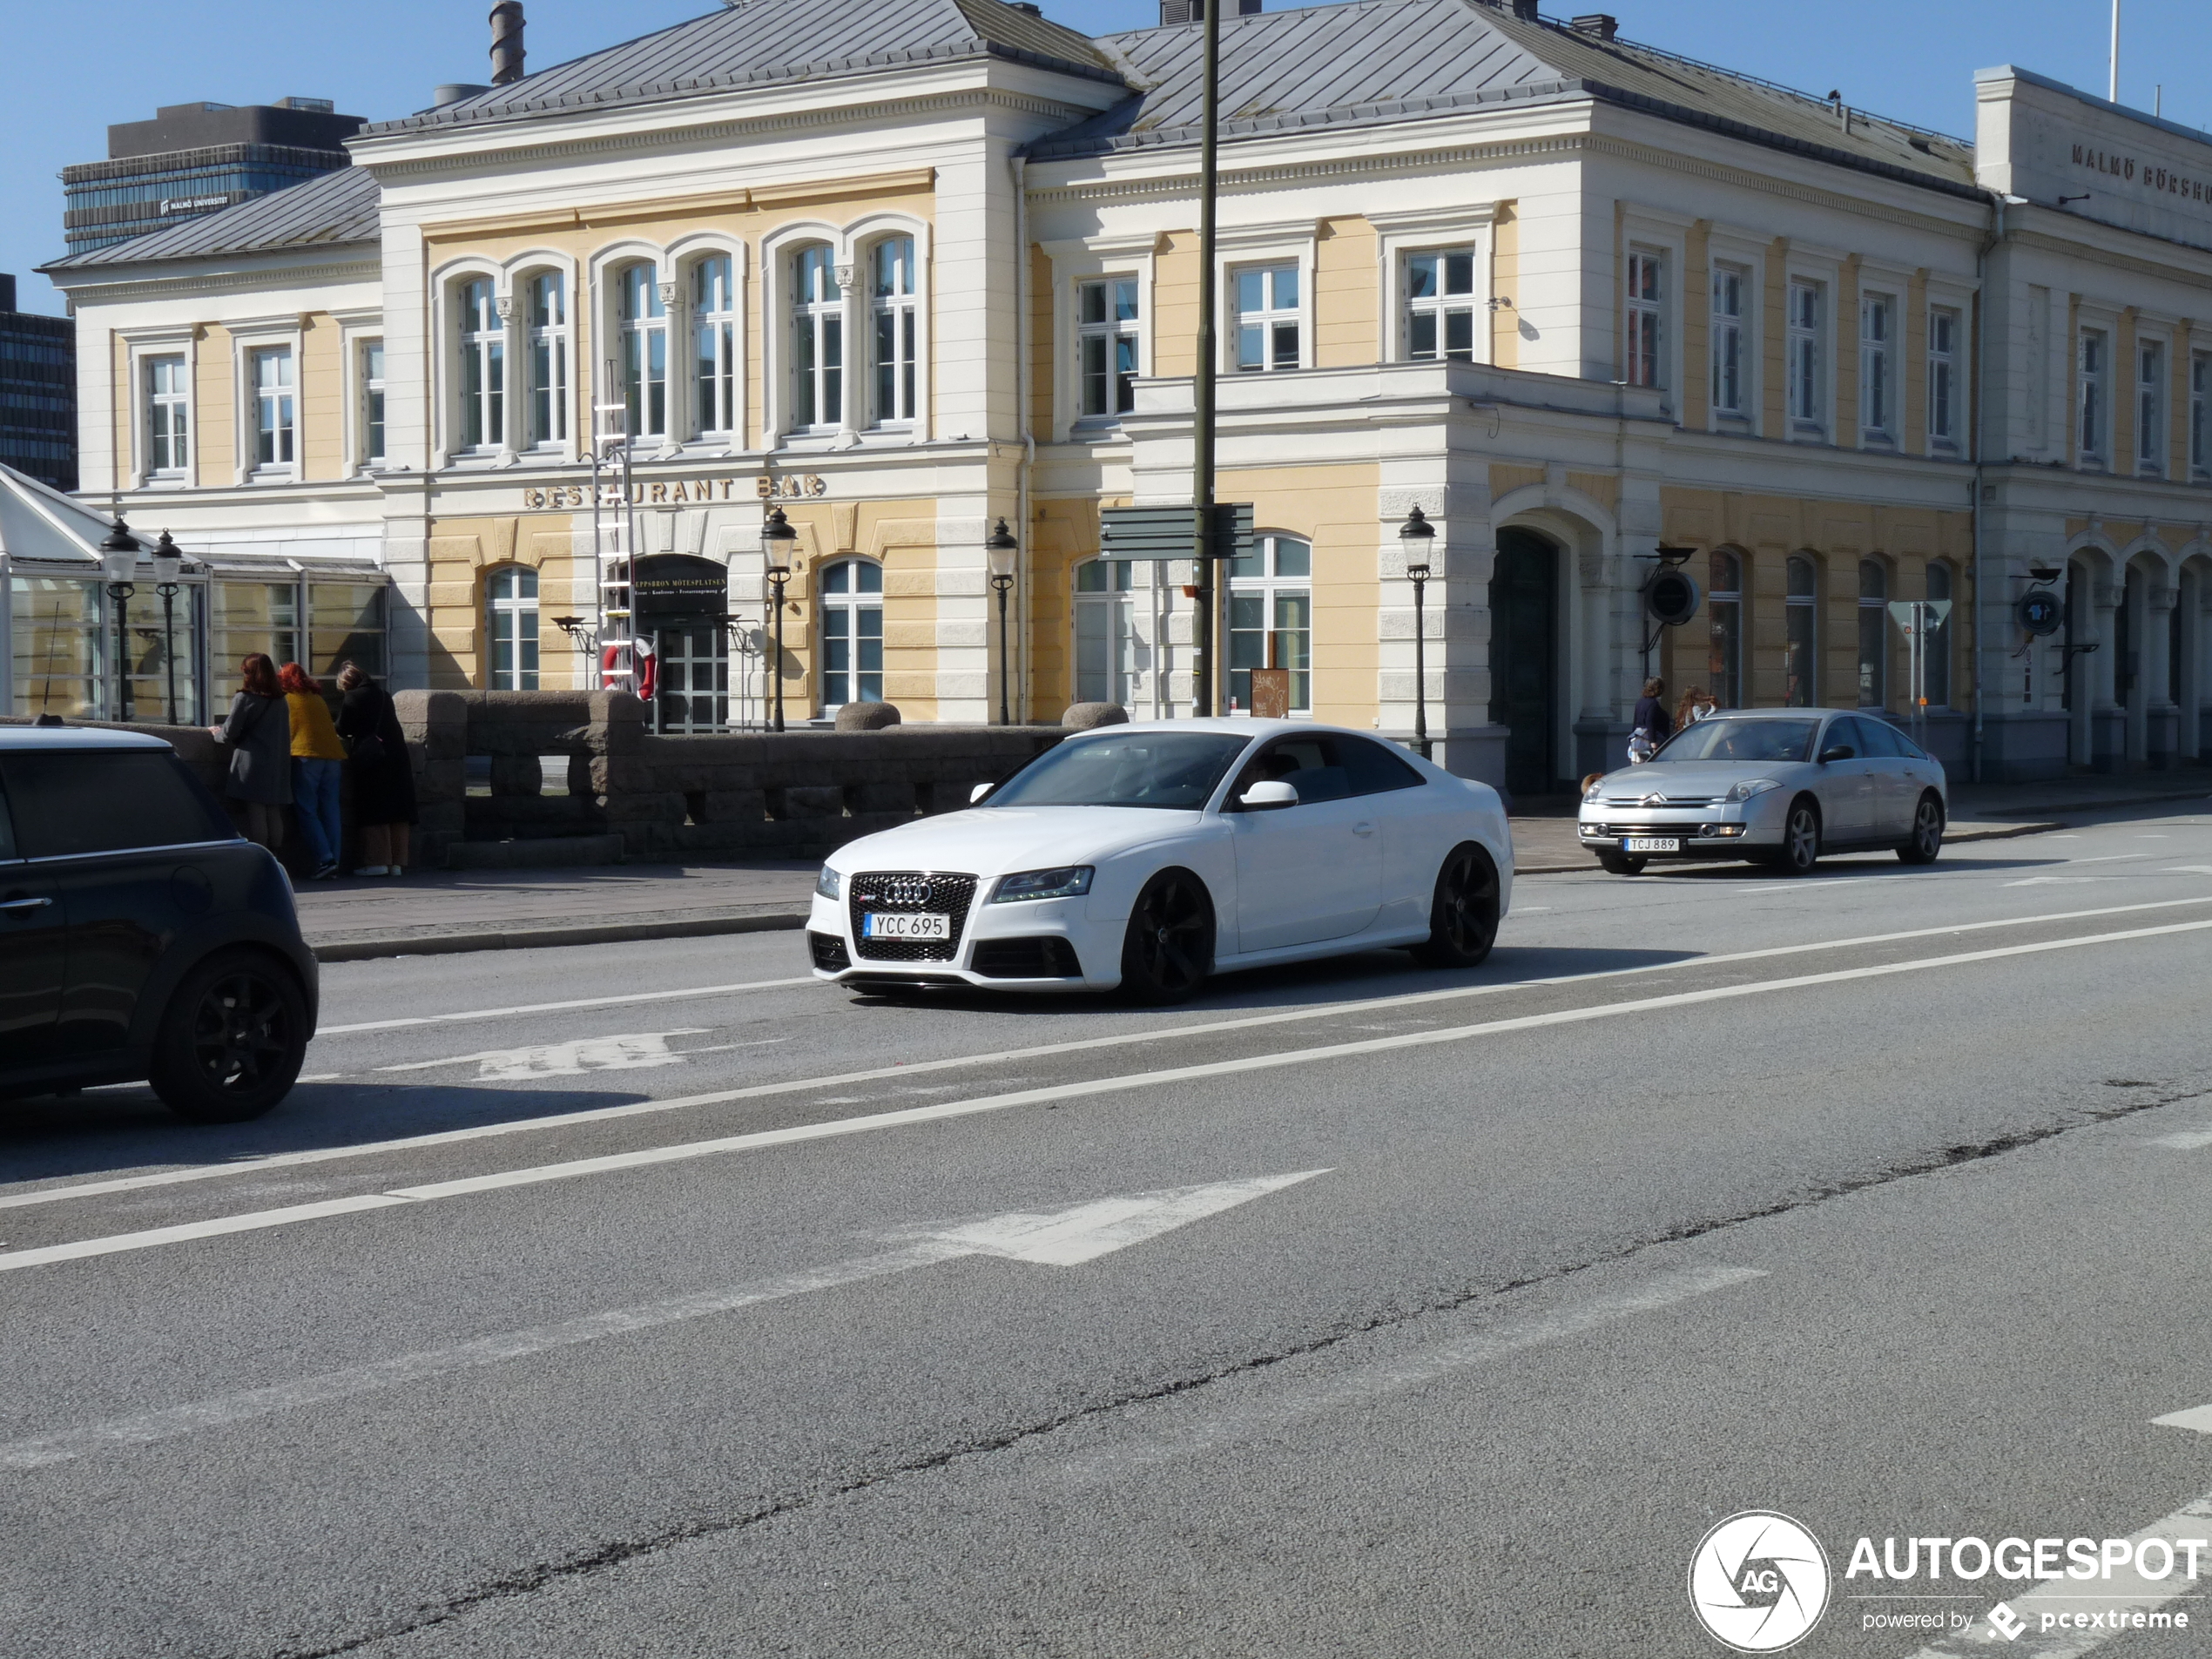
point(1524, 658)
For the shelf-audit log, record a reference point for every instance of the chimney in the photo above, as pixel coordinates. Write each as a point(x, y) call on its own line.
point(7, 292)
point(1179, 11)
point(506, 42)
point(453, 93)
point(1602, 24)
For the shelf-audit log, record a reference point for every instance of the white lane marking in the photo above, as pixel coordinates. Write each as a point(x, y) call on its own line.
point(1075, 1045)
point(2057, 881)
point(1412, 1371)
point(1064, 1239)
point(2187, 869)
point(2187, 1140)
point(2198, 1418)
point(646, 1157)
point(560, 1007)
point(625, 1053)
point(2113, 857)
point(2124, 1593)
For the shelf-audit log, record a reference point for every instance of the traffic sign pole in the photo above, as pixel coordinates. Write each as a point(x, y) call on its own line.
point(1202, 678)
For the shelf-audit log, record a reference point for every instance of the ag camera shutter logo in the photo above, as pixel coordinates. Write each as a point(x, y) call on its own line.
point(1758, 1582)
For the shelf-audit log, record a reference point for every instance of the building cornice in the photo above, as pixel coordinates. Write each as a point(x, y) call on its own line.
point(226, 282)
point(1155, 185)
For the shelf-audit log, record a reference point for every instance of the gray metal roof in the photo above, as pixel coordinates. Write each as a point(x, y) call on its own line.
point(1384, 61)
point(759, 40)
point(335, 210)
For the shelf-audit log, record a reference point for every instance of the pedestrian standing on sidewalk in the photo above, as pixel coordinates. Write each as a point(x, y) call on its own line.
point(1650, 728)
point(383, 777)
point(259, 735)
point(1696, 703)
point(317, 760)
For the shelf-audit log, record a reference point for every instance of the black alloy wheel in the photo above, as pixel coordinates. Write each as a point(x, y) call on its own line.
point(232, 1040)
point(1621, 864)
point(1168, 951)
point(1463, 914)
point(1927, 832)
point(1800, 839)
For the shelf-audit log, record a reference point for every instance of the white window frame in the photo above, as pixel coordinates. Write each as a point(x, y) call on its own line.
point(1118, 601)
point(2200, 414)
point(357, 330)
point(2154, 353)
point(135, 468)
point(1736, 326)
point(713, 368)
point(1438, 308)
point(480, 342)
point(2093, 397)
point(658, 290)
point(805, 313)
point(1945, 382)
point(1241, 248)
point(1270, 317)
point(555, 434)
point(445, 348)
point(516, 608)
point(1878, 362)
point(1073, 263)
point(678, 264)
point(852, 602)
point(1715, 597)
point(170, 408)
point(1108, 335)
point(1874, 610)
point(903, 312)
point(1268, 586)
point(1400, 235)
point(246, 339)
point(1808, 385)
point(1646, 282)
point(370, 388)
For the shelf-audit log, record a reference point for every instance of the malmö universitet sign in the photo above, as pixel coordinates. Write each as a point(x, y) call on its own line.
point(683, 492)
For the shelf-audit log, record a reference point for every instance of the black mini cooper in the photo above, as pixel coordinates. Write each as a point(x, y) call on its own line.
point(140, 937)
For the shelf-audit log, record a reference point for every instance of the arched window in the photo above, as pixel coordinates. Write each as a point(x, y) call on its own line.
point(1271, 618)
point(510, 624)
point(714, 347)
point(1724, 609)
point(817, 341)
point(1938, 648)
point(1105, 637)
point(1873, 635)
point(1801, 658)
point(891, 312)
point(483, 367)
point(547, 293)
point(644, 322)
point(851, 633)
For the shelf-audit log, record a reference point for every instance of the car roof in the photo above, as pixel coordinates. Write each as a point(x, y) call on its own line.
point(1787, 714)
point(15, 738)
point(1235, 725)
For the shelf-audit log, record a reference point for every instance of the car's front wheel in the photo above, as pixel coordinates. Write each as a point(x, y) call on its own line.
point(1800, 840)
point(1463, 912)
point(1927, 832)
point(1168, 950)
point(1621, 864)
point(232, 1040)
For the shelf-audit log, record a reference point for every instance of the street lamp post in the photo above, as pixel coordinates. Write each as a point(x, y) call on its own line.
point(1417, 536)
point(118, 560)
point(777, 539)
point(168, 564)
point(1001, 551)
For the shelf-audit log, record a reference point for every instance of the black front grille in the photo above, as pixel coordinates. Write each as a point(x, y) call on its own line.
point(1047, 957)
point(829, 952)
point(915, 892)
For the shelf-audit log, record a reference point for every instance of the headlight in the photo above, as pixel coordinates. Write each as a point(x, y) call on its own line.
point(1751, 787)
point(829, 884)
point(1069, 881)
point(1591, 794)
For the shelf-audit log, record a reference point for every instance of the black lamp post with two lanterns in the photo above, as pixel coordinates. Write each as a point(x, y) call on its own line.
point(1417, 537)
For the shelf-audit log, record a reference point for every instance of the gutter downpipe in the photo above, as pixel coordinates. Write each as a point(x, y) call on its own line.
point(1022, 325)
point(1981, 421)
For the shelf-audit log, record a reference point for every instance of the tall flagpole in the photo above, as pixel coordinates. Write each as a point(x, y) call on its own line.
point(1204, 680)
point(2115, 52)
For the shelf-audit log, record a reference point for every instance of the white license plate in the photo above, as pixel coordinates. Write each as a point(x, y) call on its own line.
point(1652, 844)
point(891, 924)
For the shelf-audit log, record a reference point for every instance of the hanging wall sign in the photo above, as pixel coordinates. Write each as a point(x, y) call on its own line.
point(683, 492)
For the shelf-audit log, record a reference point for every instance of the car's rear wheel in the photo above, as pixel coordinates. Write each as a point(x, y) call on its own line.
point(1621, 864)
point(1927, 832)
point(232, 1041)
point(1168, 950)
point(1800, 840)
point(1463, 912)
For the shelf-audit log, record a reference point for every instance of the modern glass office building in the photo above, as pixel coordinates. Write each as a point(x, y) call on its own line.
point(37, 393)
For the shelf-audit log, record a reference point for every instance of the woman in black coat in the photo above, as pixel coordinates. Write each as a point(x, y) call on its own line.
point(383, 777)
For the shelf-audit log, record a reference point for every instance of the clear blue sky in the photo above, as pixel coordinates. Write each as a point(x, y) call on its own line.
point(77, 67)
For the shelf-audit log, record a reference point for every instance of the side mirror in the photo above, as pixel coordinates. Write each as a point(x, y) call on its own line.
point(1272, 796)
point(1837, 752)
point(978, 792)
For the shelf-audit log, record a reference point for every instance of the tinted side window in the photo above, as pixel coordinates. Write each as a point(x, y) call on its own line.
point(1842, 734)
point(1374, 769)
point(1310, 765)
point(1882, 741)
point(89, 802)
point(7, 830)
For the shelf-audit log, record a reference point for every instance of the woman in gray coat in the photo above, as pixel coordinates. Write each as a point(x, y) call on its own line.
point(259, 731)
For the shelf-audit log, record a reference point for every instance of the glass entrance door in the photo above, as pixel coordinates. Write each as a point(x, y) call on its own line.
point(694, 678)
point(1524, 658)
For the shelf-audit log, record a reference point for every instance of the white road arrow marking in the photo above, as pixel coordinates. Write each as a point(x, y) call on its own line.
point(1061, 1239)
point(2198, 1418)
point(567, 1059)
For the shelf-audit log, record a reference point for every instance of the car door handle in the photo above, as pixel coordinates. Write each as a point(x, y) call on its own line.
point(23, 904)
point(1363, 829)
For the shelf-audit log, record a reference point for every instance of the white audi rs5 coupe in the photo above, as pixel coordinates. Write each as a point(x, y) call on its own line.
point(1147, 857)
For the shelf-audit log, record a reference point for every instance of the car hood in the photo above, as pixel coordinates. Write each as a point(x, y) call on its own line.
point(996, 840)
point(1699, 779)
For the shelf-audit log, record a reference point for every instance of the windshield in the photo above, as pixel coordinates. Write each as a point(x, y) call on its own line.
point(1171, 771)
point(1754, 741)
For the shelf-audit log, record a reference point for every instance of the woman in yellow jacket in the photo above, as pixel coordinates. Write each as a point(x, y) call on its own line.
point(318, 762)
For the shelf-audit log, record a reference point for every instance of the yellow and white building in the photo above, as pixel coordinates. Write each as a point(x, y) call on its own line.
point(902, 268)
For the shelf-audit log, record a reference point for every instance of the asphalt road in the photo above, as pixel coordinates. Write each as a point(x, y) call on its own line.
point(653, 1299)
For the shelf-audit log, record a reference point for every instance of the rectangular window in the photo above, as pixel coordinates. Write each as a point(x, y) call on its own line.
point(58, 656)
point(2150, 406)
point(168, 418)
point(549, 345)
point(273, 407)
point(345, 624)
point(1943, 379)
point(2200, 414)
point(1271, 619)
point(371, 410)
point(1439, 306)
point(1807, 367)
point(1106, 344)
point(1267, 318)
point(1731, 284)
point(483, 367)
point(1105, 640)
point(641, 316)
point(251, 617)
point(2093, 421)
point(1644, 364)
point(818, 354)
point(1877, 383)
point(894, 308)
point(1935, 651)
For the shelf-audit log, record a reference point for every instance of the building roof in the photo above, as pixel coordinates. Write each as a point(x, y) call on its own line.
point(753, 42)
point(336, 210)
point(1373, 61)
point(40, 522)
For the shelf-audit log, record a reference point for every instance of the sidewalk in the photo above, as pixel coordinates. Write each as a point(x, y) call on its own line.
point(441, 912)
